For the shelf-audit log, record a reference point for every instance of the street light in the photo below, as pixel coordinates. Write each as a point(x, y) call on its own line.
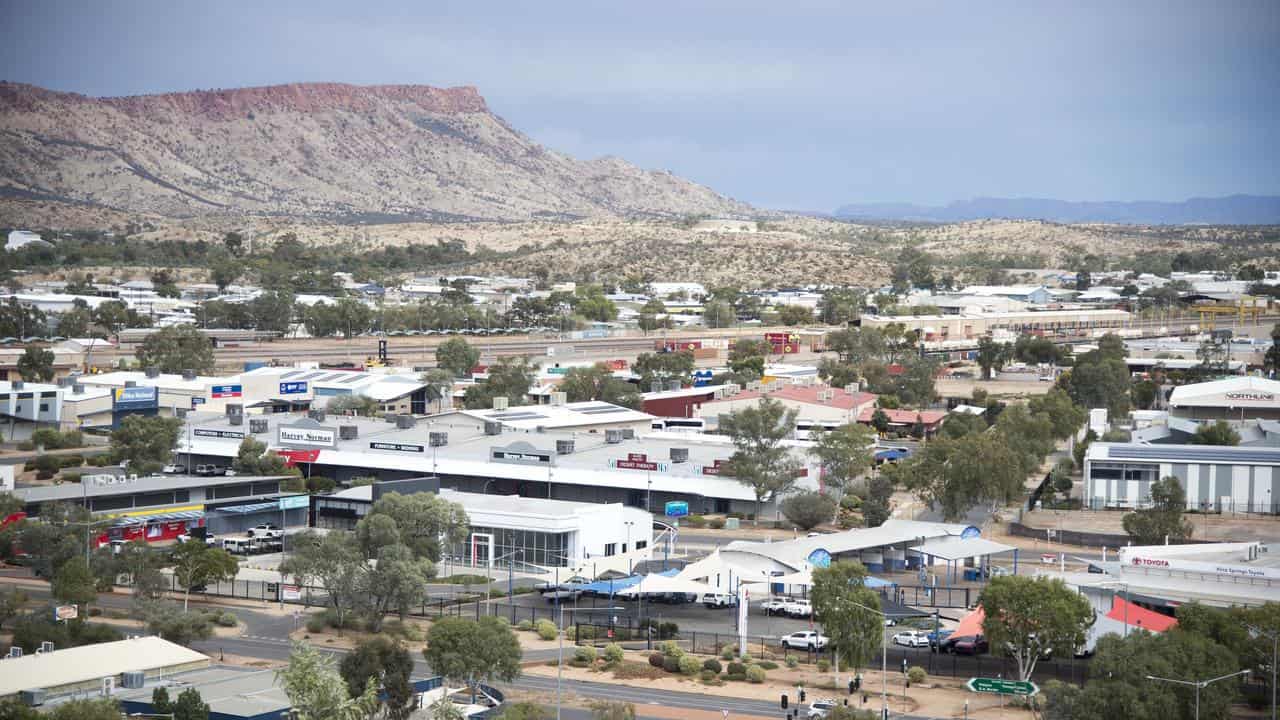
point(1198, 684)
point(884, 662)
point(1275, 645)
point(560, 652)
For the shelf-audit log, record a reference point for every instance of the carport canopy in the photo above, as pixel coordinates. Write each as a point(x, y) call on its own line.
point(957, 548)
point(662, 584)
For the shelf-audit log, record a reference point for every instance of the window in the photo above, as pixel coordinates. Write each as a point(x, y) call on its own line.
point(642, 544)
point(44, 407)
point(610, 549)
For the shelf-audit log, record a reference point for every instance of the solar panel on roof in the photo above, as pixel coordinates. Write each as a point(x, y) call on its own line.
point(603, 411)
point(1193, 454)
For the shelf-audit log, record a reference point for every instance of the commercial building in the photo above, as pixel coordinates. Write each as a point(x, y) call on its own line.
point(92, 670)
point(1239, 398)
point(476, 452)
point(815, 404)
point(1216, 478)
point(1082, 323)
point(532, 531)
point(593, 416)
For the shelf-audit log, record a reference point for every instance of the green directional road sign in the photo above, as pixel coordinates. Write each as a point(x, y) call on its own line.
point(1002, 687)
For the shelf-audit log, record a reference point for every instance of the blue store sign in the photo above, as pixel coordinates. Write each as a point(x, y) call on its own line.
point(293, 388)
point(820, 558)
point(677, 508)
point(136, 398)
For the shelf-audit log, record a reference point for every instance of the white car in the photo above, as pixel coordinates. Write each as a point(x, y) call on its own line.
point(718, 600)
point(911, 638)
point(798, 609)
point(774, 607)
point(266, 530)
point(804, 640)
point(820, 708)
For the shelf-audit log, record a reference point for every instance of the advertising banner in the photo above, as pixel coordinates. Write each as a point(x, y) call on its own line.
point(135, 398)
point(226, 391)
point(293, 388)
point(295, 435)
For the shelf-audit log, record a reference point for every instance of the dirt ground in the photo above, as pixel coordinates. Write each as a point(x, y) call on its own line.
point(1237, 528)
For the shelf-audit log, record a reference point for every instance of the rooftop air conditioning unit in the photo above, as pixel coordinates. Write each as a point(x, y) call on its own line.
point(133, 679)
point(316, 414)
point(235, 419)
point(130, 383)
point(257, 425)
point(46, 647)
point(77, 389)
point(500, 403)
point(348, 432)
point(153, 371)
point(851, 388)
point(679, 454)
point(564, 447)
point(32, 698)
point(404, 422)
point(559, 398)
point(234, 409)
point(438, 439)
point(628, 434)
point(188, 374)
point(492, 428)
point(15, 652)
point(613, 437)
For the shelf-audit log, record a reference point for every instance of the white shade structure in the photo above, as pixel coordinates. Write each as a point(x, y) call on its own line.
point(661, 584)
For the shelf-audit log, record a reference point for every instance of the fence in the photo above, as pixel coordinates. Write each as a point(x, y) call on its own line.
point(1073, 670)
point(1086, 539)
point(935, 597)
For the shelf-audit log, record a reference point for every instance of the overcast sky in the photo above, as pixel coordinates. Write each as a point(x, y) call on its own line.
point(795, 104)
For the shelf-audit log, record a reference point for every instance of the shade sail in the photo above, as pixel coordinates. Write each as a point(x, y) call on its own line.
point(1138, 616)
point(607, 586)
point(971, 624)
point(662, 585)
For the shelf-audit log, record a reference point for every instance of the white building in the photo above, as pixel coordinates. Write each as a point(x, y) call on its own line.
point(1238, 398)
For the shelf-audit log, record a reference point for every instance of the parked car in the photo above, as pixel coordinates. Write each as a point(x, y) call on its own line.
point(911, 638)
point(774, 607)
point(718, 600)
point(890, 622)
point(798, 609)
point(820, 708)
point(552, 596)
point(936, 637)
point(174, 469)
point(972, 645)
point(266, 530)
point(208, 539)
point(804, 640)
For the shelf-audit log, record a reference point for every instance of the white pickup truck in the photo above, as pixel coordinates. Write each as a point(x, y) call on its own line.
point(798, 609)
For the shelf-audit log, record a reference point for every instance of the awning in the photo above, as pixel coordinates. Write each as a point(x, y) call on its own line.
point(160, 517)
point(614, 586)
point(970, 624)
point(250, 508)
point(958, 548)
point(1138, 616)
point(664, 584)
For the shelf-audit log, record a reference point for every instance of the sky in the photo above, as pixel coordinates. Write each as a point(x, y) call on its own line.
point(790, 105)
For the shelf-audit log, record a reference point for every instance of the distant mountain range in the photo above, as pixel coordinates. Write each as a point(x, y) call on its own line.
point(1231, 210)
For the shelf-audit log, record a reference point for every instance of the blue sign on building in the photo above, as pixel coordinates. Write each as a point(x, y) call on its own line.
point(820, 558)
point(702, 378)
point(677, 508)
point(135, 398)
point(293, 388)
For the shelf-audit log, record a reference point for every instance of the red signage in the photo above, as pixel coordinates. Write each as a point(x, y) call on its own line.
point(617, 364)
point(635, 461)
point(783, 343)
point(675, 345)
point(293, 457)
point(714, 469)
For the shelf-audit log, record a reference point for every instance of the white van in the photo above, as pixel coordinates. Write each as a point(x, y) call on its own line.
point(238, 546)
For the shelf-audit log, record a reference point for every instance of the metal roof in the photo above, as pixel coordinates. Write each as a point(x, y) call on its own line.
point(87, 663)
point(1194, 453)
point(151, 483)
point(958, 548)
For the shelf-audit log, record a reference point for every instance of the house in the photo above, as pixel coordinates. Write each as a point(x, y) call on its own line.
point(905, 420)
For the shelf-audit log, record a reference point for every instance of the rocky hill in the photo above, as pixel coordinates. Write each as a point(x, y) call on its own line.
point(318, 150)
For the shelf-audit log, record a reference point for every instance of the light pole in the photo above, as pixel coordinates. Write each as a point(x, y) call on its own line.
point(1275, 645)
point(560, 652)
point(884, 662)
point(1198, 684)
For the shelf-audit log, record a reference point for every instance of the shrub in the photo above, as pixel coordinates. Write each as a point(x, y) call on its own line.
point(755, 674)
point(637, 671)
point(667, 630)
point(26, 446)
point(695, 521)
point(767, 665)
point(716, 523)
point(736, 668)
point(547, 630)
point(227, 619)
point(586, 653)
point(689, 665)
point(850, 502)
point(824, 665)
point(71, 477)
point(655, 659)
point(808, 509)
point(71, 461)
point(670, 648)
point(747, 659)
point(727, 653)
point(712, 664)
point(613, 653)
point(180, 627)
point(671, 663)
point(736, 677)
point(793, 662)
point(316, 624)
point(708, 677)
point(916, 675)
point(524, 625)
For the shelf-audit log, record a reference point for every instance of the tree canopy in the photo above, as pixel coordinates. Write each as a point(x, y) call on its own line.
point(473, 651)
point(145, 443)
point(845, 453)
point(509, 377)
point(317, 691)
point(175, 349)
point(1150, 525)
point(1026, 617)
point(457, 356)
point(760, 459)
point(598, 383)
point(840, 600)
point(36, 364)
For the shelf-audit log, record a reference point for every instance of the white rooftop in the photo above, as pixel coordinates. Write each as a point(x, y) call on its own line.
point(795, 553)
point(1252, 391)
point(91, 662)
point(579, 414)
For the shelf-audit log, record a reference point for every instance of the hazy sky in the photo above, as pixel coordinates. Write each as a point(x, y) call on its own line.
point(795, 104)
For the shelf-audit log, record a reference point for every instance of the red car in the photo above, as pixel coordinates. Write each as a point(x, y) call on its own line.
point(972, 645)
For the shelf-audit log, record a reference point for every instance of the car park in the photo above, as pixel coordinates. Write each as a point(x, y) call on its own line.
point(936, 637)
point(208, 539)
point(175, 469)
point(972, 645)
point(911, 638)
point(561, 595)
point(804, 640)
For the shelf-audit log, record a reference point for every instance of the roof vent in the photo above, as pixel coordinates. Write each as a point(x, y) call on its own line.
point(348, 432)
point(153, 371)
point(564, 447)
point(492, 428)
point(235, 419)
point(188, 374)
point(404, 422)
point(234, 409)
point(316, 414)
point(77, 389)
point(257, 426)
point(438, 439)
point(559, 398)
point(851, 388)
point(613, 437)
point(500, 403)
point(679, 455)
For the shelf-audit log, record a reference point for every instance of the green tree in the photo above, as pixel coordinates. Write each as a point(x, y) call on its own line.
point(795, 315)
point(589, 302)
point(190, 706)
point(524, 710)
point(718, 314)
point(112, 316)
point(176, 625)
point(509, 377)
point(224, 270)
point(360, 405)
point(612, 710)
point(273, 310)
point(36, 364)
point(664, 366)
point(426, 522)
point(880, 421)
point(1271, 361)
point(840, 600)
point(316, 689)
point(598, 383)
point(335, 562)
point(760, 458)
point(1151, 525)
point(876, 506)
point(160, 701)
point(77, 322)
point(81, 709)
point(21, 321)
point(649, 319)
point(145, 444)
point(837, 374)
point(196, 564)
point(12, 601)
point(1099, 380)
point(252, 458)
point(457, 356)
point(473, 651)
point(807, 510)
point(439, 384)
point(992, 356)
point(386, 662)
point(748, 356)
point(1027, 617)
point(1216, 433)
point(954, 475)
point(175, 349)
point(396, 582)
point(839, 305)
point(73, 583)
point(845, 453)
point(1064, 415)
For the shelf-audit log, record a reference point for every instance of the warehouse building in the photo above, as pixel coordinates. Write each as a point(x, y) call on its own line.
point(1216, 478)
point(1238, 398)
point(939, 328)
point(92, 670)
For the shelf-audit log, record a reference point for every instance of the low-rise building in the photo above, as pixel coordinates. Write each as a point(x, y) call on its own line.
point(1216, 478)
point(93, 670)
point(1239, 398)
point(971, 326)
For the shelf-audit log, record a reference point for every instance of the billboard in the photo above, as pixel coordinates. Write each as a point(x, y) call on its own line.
point(637, 461)
point(293, 388)
point(311, 433)
point(397, 447)
point(677, 508)
point(783, 343)
point(521, 453)
point(220, 434)
point(65, 612)
point(135, 398)
point(226, 391)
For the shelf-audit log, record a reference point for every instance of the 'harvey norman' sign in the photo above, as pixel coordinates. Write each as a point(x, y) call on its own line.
point(521, 453)
point(309, 436)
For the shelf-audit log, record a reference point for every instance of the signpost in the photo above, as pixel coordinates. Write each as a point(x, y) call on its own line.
point(1002, 687)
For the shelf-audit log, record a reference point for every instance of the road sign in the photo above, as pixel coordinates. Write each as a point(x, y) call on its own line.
point(65, 612)
point(1002, 687)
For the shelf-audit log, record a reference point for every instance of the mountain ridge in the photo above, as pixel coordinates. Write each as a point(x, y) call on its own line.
point(316, 150)
point(1225, 210)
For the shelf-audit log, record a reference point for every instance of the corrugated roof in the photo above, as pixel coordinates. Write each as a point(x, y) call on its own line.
point(957, 548)
point(90, 662)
